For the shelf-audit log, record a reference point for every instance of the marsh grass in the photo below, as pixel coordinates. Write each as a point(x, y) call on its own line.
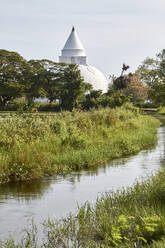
point(130, 218)
point(157, 244)
point(33, 146)
point(161, 111)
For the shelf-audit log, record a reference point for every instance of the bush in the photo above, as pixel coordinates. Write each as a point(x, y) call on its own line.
point(48, 107)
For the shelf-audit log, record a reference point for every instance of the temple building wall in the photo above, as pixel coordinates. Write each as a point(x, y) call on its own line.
point(80, 60)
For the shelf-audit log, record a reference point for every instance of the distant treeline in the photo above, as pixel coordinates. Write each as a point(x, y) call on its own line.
point(22, 82)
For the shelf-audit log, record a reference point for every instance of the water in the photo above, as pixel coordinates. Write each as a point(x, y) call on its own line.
point(57, 196)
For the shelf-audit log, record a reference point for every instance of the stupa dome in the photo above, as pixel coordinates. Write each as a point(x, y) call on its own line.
point(96, 78)
point(74, 53)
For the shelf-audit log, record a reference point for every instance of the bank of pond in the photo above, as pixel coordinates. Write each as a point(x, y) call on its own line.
point(33, 146)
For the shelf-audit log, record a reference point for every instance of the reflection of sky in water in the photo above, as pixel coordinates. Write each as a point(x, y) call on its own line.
point(57, 196)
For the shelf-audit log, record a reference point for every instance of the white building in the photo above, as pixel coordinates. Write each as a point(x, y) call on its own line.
point(74, 53)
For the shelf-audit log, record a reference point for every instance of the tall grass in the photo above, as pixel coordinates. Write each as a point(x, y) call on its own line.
point(32, 146)
point(161, 110)
point(130, 218)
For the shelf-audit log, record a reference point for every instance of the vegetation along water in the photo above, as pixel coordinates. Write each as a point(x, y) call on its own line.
point(129, 218)
point(33, 146)
point(132, 217)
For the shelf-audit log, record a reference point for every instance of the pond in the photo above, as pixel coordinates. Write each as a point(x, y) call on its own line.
point(55, 197)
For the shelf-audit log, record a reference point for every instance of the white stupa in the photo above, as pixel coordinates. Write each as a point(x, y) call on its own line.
point(74, 53)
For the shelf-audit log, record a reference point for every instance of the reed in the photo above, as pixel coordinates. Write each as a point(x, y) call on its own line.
point(34, 145)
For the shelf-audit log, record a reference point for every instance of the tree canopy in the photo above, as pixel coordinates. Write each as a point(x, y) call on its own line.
point(40, 78)
point(12, 67)
point(62, 84)
point(152, 72)
point(127, 87)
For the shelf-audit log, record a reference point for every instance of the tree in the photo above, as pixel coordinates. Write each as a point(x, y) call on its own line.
point(148, 71)
point(127, 87)
point(152, 72)
point(120, 83)
point(124, 68)
point(136, 89)
point(11, 79)
point(34, 81)
point(72, 88)
point(93, 99)
point(116, 98)
point(48, 76)
point(18, 78)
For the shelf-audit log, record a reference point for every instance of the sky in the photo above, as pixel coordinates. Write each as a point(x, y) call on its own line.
point(113, 32)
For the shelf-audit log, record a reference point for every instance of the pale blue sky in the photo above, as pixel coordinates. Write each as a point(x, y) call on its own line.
point(112, 31)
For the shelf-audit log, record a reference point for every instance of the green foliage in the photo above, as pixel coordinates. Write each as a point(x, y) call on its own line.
point(120, 83)
point(161, 110)
point(62, 83)
point(108, 222)
point(127, 88)
point(34, 145)
point(12, 67)
point(118, 98)
point(93, 100)
point(72, 91)
point(49, 75)
point(48, 107)
point(157, 244)
point(152, 72)
point(148, 71)
point(39, 79)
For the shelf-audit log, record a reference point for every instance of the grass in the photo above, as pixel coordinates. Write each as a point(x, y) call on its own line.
point(33, 146)
point(157, 244)
point(134, 217)
point(129, 218)
point(161, 111)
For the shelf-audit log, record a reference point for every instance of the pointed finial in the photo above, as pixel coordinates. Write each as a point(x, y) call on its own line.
point(73, 29)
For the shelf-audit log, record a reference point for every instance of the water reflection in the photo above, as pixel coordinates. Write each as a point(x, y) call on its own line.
point(32, 190)
point(24, 191)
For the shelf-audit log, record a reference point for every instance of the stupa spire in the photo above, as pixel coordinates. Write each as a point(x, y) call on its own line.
point(73, 42)
point(73, 51)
